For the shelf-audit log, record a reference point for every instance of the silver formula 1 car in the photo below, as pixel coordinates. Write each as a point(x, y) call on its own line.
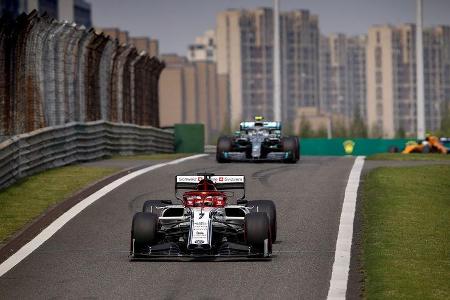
point(205, 223)
point(258, 141)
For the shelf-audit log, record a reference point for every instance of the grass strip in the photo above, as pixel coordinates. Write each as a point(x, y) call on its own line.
point(406, 226)
point(410, 156)
point(30, 197)
point(155, 156)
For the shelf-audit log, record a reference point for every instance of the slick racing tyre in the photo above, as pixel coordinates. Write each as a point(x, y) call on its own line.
point(224, 144)
point(297, 152)
point(143, 231)
point(268, 207)
point(151, 206)
point(257, 232)
point(290, 144)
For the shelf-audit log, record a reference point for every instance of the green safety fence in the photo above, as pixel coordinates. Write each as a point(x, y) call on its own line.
point(342, 146)
point(189, 138)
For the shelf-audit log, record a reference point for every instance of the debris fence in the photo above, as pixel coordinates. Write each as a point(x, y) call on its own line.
point(53, 73)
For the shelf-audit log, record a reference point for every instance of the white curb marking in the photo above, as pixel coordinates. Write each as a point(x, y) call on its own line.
point(341, 265)
point(45, 234)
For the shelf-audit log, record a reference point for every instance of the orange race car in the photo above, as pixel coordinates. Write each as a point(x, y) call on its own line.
point(431, 144)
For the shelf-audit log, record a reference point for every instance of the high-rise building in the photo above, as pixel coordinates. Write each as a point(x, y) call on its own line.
point(300, 38)
point(436, 54)
point(16, 7)
point(82, 13)
point(116, 33)
point(151, 46)
point(204, 47)
point(193, 92)
point(229, 60)
point(245, 55)
point(391, 78)
point(78, 11)
point(11, 7)
point(343, 75)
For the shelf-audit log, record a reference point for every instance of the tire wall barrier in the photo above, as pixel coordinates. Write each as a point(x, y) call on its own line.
point(53, 73)
point(51, 147)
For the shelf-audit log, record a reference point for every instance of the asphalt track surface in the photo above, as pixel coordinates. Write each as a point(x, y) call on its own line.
point(88, 257)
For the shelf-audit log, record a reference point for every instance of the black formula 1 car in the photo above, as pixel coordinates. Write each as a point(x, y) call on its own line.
point(258, 141)
point(205, 223)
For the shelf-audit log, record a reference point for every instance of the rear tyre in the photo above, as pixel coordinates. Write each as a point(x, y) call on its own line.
point(297, 152)
point(143, 231)
point(268, 207)
point(151, 206)
point(290, 145)
point(257, 232)
point(224, 144)
point(393, 149)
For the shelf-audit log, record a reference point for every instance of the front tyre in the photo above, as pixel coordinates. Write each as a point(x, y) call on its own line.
point(268, 207)
point(257, 233)
point(143, 231)
point(224, 144)
point(290, 146)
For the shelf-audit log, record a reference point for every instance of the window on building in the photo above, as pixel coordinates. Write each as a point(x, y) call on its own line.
point(378, 77)
point(379, 93)
point(378, 58)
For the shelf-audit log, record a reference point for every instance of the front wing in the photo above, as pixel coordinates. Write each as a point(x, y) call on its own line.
point(227, 250)
point(271, 156)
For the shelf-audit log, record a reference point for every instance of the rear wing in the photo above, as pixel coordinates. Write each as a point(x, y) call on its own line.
point(222, 182)
point(268, 125)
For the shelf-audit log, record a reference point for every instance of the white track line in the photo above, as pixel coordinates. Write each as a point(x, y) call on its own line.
point(45, 234)
point(341, 265)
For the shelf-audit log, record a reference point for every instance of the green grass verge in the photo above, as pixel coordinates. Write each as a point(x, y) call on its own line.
point(29, 198)
point(156, 156)
point(406, 233)
point(411, 156)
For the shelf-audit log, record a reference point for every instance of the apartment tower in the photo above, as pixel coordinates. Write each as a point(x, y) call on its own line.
point(343, 75)
point(245, 56)
point(391, 78)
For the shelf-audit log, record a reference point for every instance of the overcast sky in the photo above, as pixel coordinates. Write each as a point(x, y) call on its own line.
point(176, 23)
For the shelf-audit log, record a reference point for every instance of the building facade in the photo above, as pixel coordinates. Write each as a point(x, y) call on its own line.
point(391, 78)
point(193, 92)
point(115, 33)
point(343, 75)
point(437, 75)
point(300, 38)
point(245, 55)
point(204, 48)
point(151, 46)
point(78, 11)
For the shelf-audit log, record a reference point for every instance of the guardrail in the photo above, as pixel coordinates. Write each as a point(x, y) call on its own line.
point(51, 147)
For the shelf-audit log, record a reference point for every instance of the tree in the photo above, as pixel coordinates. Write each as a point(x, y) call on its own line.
point(401, 133)
point(288, 129)
point(321, 132)
point(376, 131)
point(358, 128)
point(305, 128)
point(339, 129)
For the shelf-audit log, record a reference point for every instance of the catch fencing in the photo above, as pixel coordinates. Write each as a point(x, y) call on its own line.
point(53, 73)
point(51, 147)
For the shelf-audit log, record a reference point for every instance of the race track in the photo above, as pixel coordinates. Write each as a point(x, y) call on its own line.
point(88, 257)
